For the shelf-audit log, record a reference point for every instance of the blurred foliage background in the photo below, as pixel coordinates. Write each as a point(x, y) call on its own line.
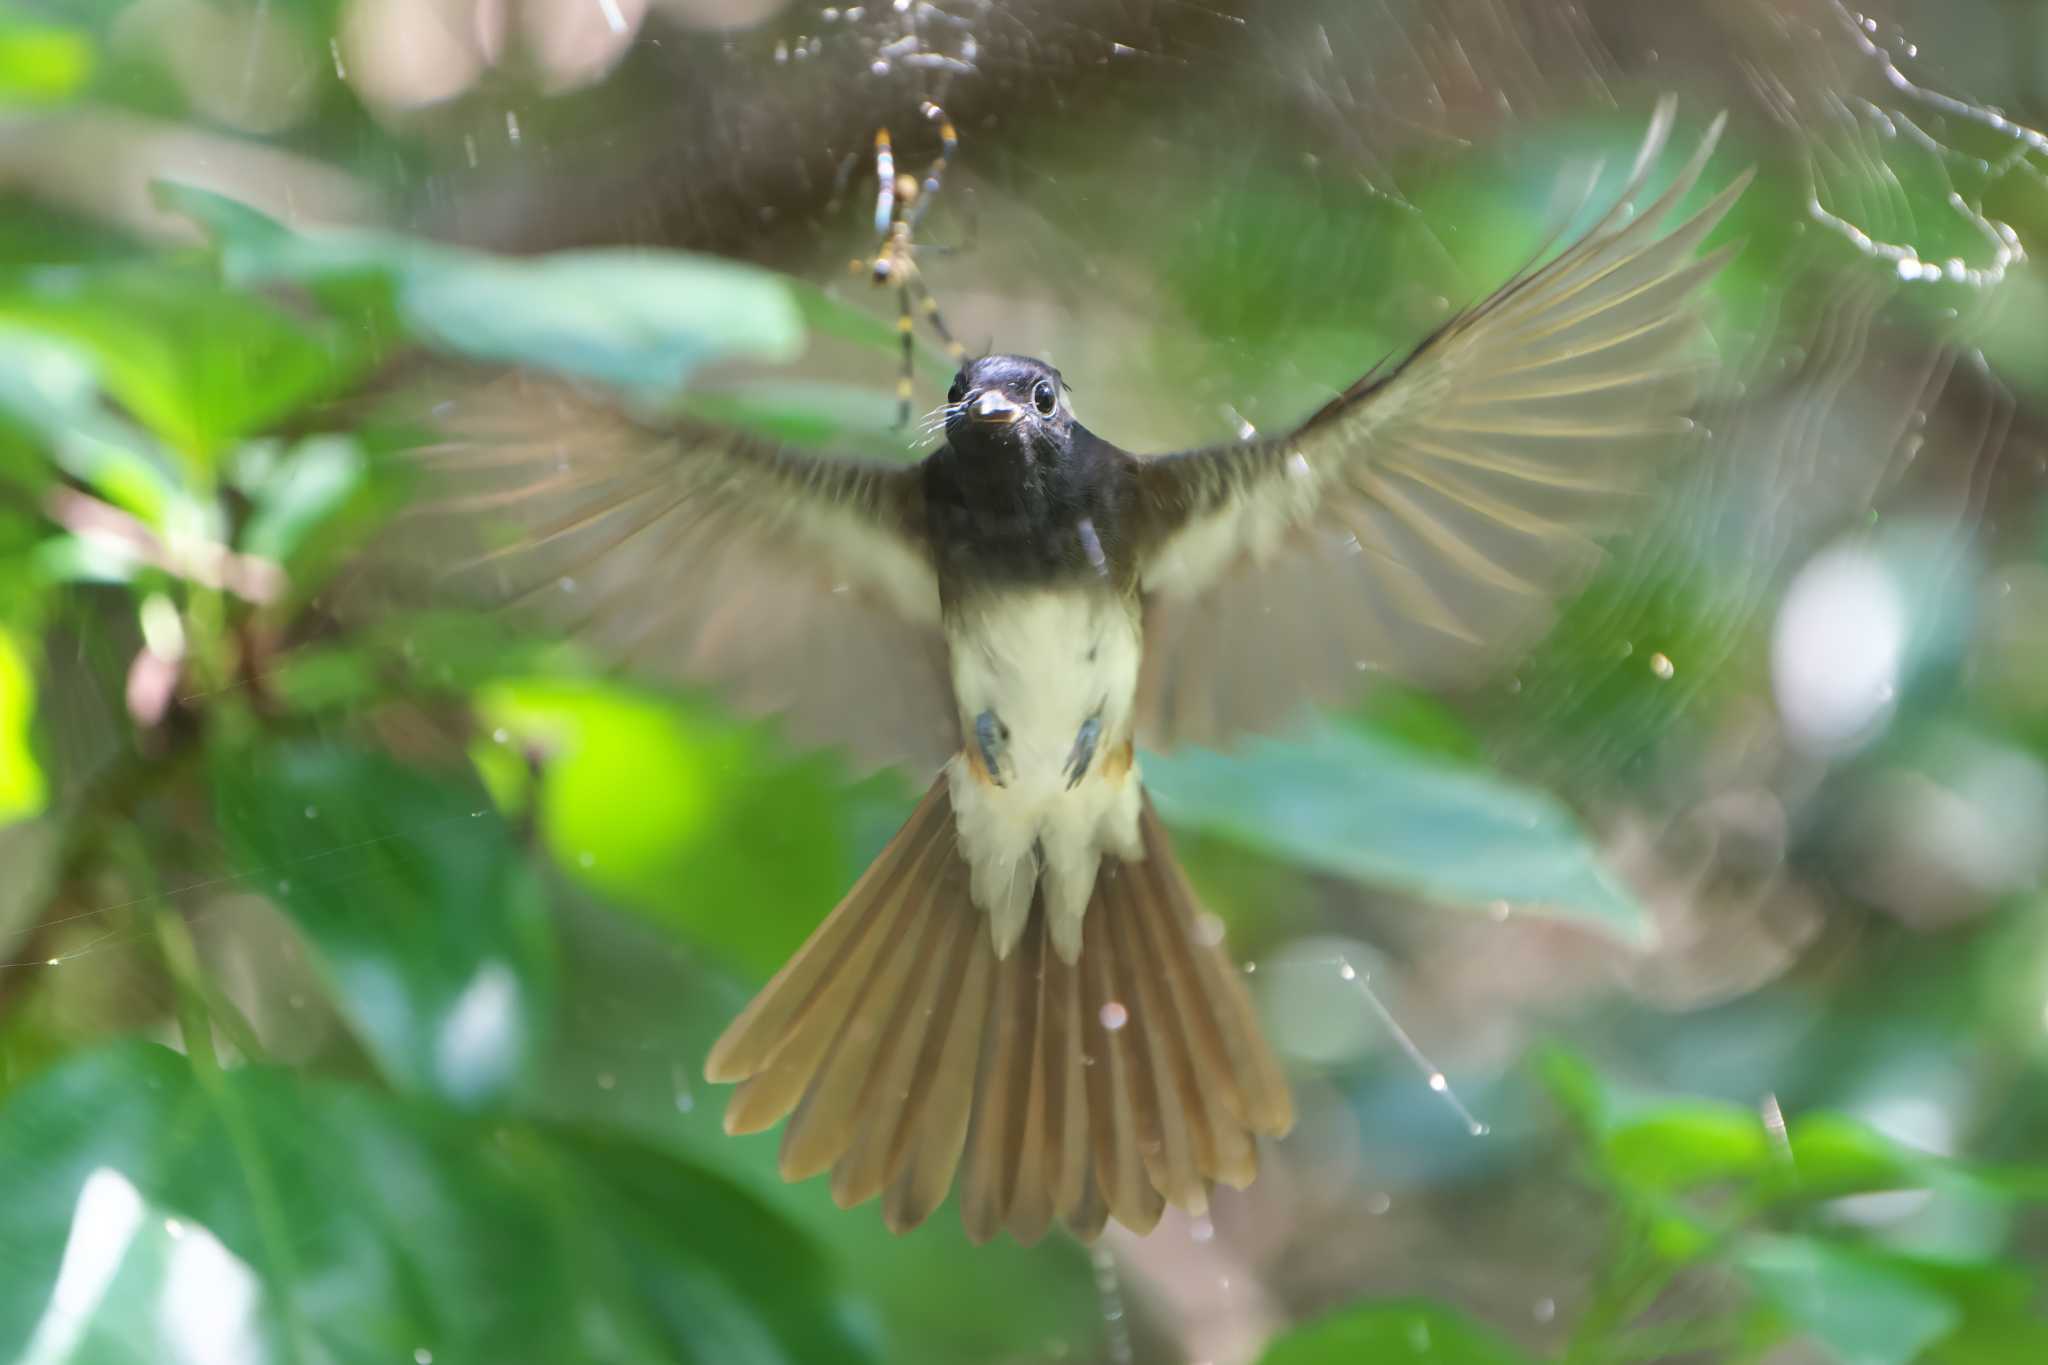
point(361, 952)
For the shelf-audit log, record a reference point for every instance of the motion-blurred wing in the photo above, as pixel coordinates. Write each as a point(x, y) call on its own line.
point(791, 583)
point(1423, 524)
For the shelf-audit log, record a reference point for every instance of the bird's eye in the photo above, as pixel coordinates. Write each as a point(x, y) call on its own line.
point(957, 392)
point(1044, 399)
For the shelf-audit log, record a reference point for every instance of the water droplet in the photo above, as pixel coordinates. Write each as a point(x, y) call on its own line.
point(1439, 1082)
point(501, 736)
point(422, 1356)
point(54, 961)
point(1499, 910)
point(1348, 972)
point(1662, 666)
point(173, 1228)
point(312, 812)
point(1115, 1016)
point(1477, 1129)
point(1543, 1310)
point(1379, 1204)
point(1208, 929)
point(605, 1080)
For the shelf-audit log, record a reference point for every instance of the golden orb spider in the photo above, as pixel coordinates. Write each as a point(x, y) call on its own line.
point(900, 205)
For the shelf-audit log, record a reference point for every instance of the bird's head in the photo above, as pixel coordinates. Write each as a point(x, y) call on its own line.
point(1009, 404)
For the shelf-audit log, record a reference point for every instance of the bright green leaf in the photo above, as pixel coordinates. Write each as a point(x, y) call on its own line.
point(199, 364)
point(41, 63)
point(1384, 1333)
point(672, 810)
point(421, 909)
point(331, 1223)
point(639, 320)
point(52, 389)
point(1384, 813)
point(1834, 1155)
point(1862, 1311)
point(21, 777)
point(1682, 1145)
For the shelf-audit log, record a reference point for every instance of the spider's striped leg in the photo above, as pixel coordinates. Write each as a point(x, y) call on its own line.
point(930, 307)
point(905, 321)
point(949, 142)
point(885, 175)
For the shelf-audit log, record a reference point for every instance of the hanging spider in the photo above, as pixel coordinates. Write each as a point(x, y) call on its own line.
point(900, 205)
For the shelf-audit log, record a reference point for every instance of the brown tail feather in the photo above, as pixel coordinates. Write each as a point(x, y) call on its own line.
point(1104, 1088)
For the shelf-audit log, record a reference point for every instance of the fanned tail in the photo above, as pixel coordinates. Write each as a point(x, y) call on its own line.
point(907, 1053)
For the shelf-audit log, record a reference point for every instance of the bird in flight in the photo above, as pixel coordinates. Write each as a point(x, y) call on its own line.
point(1022, 996)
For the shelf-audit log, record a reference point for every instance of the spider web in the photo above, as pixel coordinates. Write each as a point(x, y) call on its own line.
point(1326, 161)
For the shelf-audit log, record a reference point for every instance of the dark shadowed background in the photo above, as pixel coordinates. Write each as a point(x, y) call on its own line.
point(1681, 995)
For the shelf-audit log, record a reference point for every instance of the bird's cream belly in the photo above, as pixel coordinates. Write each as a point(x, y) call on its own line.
point(1045, 682)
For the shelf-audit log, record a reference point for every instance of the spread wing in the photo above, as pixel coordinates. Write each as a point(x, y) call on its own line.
point(791, 583)
point(1423, 524)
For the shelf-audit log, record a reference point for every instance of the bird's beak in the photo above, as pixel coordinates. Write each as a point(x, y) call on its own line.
point(990, 406)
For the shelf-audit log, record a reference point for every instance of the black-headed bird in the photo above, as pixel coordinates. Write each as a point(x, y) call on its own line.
point(1022, 995)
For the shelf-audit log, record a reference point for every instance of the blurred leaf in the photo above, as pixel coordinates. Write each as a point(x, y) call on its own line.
point(2002, 1321)
point(35, 233)
point(816, 414)
point(53, 390)
point(1411, 1330)
point(325, 1222)
point(1574, 1087)
point(673, 810)
point(1385, 813)
point(420, 907)
point(639, 320)
point(21, 778)
point(642, 1009)
point(1862, 1311)
point(828, 315)
point(201, 365)
point(1835, 1155)
point(297, 492)
point(1679, 1146)
point(40, 62)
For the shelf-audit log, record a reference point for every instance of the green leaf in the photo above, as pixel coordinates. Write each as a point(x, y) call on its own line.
point(827, 315)
point(421, 908)
point(1574, 1087)
point(1409, 1330)
point(1386, 813)
point(41, 63)
point(638, 320)
point(298, 493)
point(670, 809)
point(199, 364)
point(21, 777)
point(325, 1222)
point(52, 389)
point(1834, 1155)
point(1861, 1310)
point(1683, 1145)
point(816, 414)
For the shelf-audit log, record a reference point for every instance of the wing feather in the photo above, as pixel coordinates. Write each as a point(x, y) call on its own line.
point(1424, 522)
point(697, 554)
